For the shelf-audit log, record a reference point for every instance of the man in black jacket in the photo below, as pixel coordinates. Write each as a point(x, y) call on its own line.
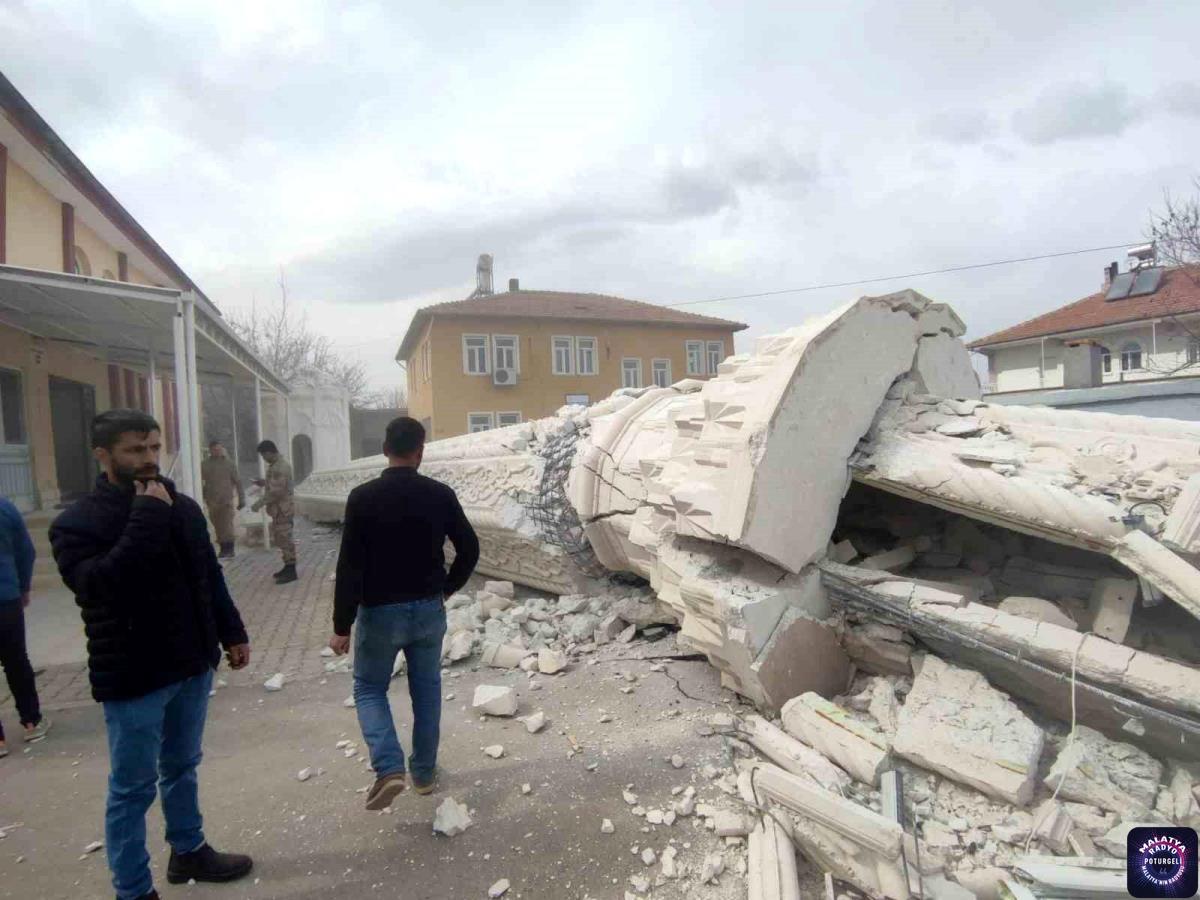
point(391, 576)
point(155, 610)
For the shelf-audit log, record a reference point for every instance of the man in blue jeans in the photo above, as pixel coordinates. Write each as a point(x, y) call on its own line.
point(156, 611)
point(392, 577)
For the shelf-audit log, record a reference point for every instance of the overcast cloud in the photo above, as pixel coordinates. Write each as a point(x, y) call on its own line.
point(660, 152)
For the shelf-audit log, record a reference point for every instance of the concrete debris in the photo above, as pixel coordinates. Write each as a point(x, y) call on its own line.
point(452, 818)
point(461, 645)
point(730, 824)
point(1038, 610)
point(670, 868)
point(551, 662)
point(534, 722)
point(712, 868)
point(495, 751)
point(304, 774)
point(1111, 606)
point(856, 747)
point(958, 725)
point(891, 561)
point(1052, 826)
point(502, 656)
point(649, 857)
point(792, 755)
point(499, 588)
point(676, 761)
point(606, 826)
point(495, 700)
point(93, 847)
point(275, 682)
point(500, 888)
point(1111, 775)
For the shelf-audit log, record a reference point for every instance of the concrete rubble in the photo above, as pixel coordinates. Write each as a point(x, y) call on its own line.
point(970, 632)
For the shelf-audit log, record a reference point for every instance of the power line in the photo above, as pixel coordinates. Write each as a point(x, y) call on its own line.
point(838, 284)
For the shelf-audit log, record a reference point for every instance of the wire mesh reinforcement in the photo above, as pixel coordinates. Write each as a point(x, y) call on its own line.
point(553, 513)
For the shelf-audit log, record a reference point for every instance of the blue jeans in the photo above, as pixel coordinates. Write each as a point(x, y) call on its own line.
point(153, 738)
point(417, 628)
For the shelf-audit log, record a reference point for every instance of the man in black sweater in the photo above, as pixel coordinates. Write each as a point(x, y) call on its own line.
point(391, 575)
point(155, 609)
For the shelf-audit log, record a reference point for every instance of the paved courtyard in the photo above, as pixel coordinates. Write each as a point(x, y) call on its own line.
point(313, 839)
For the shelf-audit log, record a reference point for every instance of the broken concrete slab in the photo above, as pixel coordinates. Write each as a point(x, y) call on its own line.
point(955, 723)
point(792, 755)
point(771, 857)
point(894, 560)
point(1111, 606)
point(495, 700)
point(879, 648)
point(502, 656)
point(1038, 610)
point(858, 748)
point(1107, 774)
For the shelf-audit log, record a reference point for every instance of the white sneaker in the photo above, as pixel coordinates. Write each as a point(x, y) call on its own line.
point(38, 731)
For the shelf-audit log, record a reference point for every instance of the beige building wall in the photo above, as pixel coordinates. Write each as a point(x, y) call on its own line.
point(539, 392)
point(33, 224)
point(101, 258)
point(420, 381)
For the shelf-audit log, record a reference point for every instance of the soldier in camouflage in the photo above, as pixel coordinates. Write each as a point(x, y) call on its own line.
point(277, 498)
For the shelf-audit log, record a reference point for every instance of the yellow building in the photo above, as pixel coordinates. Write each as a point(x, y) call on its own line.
point(501, 359)
point(93, 315)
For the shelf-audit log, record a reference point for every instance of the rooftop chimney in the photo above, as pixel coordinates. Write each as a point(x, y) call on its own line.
point(483, 276)
point(1110, 272)
point(514, 284)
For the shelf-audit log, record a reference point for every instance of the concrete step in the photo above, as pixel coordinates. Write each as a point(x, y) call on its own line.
point(46, 582)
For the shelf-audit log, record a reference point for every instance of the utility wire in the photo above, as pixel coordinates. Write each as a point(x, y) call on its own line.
point(837, 284)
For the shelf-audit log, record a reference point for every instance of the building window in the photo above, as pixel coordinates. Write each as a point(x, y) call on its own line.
point(716, 353)
point(1105, 360)
point(507, 418)
point(83, 265)
point(564, 351)
point(475, 354)
point(631, 373)
point(479, 422)
point(695, 357)
point(578, 400)
point(661, 370)
point(12, 413)
point(1131, 357)
point(1193, 352)
point(505, 352)
point(585, 355)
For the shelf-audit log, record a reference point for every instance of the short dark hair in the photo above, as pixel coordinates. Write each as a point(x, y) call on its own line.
point(108, 427)
point(404, 437)
point(215, 442)
point(267, 447)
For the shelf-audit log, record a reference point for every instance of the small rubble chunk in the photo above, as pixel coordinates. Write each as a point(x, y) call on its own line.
point(1052, 826)
point(677, 761)
point(858, 748)
point(1108, 774)
point(500, 588)
point(891, 560)
point(649, 857)
point(534, 722)
point(606, 826)
point(452, 818)
point(958, 725)
point(499, 889)
point(669, 867)
point(275, 682)
point(502, 656)
point(550, 662)
point(714, 866)
point(461, 646)
point(495, 751)
point(495, 700)
point(304, 774)
point(1037, 609)
point(730, 824)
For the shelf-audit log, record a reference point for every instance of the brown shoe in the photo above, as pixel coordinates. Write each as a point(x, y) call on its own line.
point(385, 790)
point(424, 786)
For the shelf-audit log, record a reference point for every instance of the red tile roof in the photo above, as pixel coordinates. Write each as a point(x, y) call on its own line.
point(1179, 293)
point(560, 305)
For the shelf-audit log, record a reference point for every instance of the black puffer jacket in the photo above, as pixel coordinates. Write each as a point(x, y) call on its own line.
point(152, 593)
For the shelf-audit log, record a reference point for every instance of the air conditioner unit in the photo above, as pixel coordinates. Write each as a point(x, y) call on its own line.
point(504, 377)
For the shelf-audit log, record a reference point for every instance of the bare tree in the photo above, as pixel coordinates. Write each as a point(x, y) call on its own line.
point(394, 397)
point(1176, 231)
point(285, 341)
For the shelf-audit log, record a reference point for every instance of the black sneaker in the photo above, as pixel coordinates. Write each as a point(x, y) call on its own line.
point(153, 895)
point(227, 551)
point(286, 575)
point(206, 864)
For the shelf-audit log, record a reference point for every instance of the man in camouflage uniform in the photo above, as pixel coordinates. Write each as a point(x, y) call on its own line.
point(220, 478)
point(277, 498)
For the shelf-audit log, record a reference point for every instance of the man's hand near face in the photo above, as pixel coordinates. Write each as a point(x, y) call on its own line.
point(340, 644)
point(155, 489)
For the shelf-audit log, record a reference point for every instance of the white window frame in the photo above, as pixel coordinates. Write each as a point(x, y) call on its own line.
point(1105, 361)
point(490, 417)
point(1193, 351)
point(698, 358)
point(587, 400)
point(595, 352)
point(1128, 349)
point(626, 369)
point(665, 368)
point(487, 368)
point(554, 348)
point(514, 415)
point(516, 350)
point(714, 364)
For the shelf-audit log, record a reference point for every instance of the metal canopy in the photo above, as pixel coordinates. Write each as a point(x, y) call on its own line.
point(136, 325)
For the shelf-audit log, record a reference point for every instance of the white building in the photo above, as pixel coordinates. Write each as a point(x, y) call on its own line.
point(1133, 347)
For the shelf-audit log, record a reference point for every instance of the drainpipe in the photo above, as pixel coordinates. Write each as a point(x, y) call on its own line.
point(1042, 370)
point(189, 336)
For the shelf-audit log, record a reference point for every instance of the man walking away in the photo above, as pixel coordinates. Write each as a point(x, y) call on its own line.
point(16, 574)
point(221, 482)
point(137, 555)
point(277, 498)
point(391, 575)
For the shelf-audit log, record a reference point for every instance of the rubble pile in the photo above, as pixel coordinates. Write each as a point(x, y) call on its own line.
point(971, 632)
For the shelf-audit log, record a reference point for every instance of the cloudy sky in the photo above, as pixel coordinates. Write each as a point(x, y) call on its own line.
point(667, 152)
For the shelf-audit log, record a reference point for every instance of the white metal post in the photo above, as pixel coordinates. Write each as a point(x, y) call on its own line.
point(193, 389)
point(183, 470)
point(262, 472)
point(152, 377)
point(233, 391)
